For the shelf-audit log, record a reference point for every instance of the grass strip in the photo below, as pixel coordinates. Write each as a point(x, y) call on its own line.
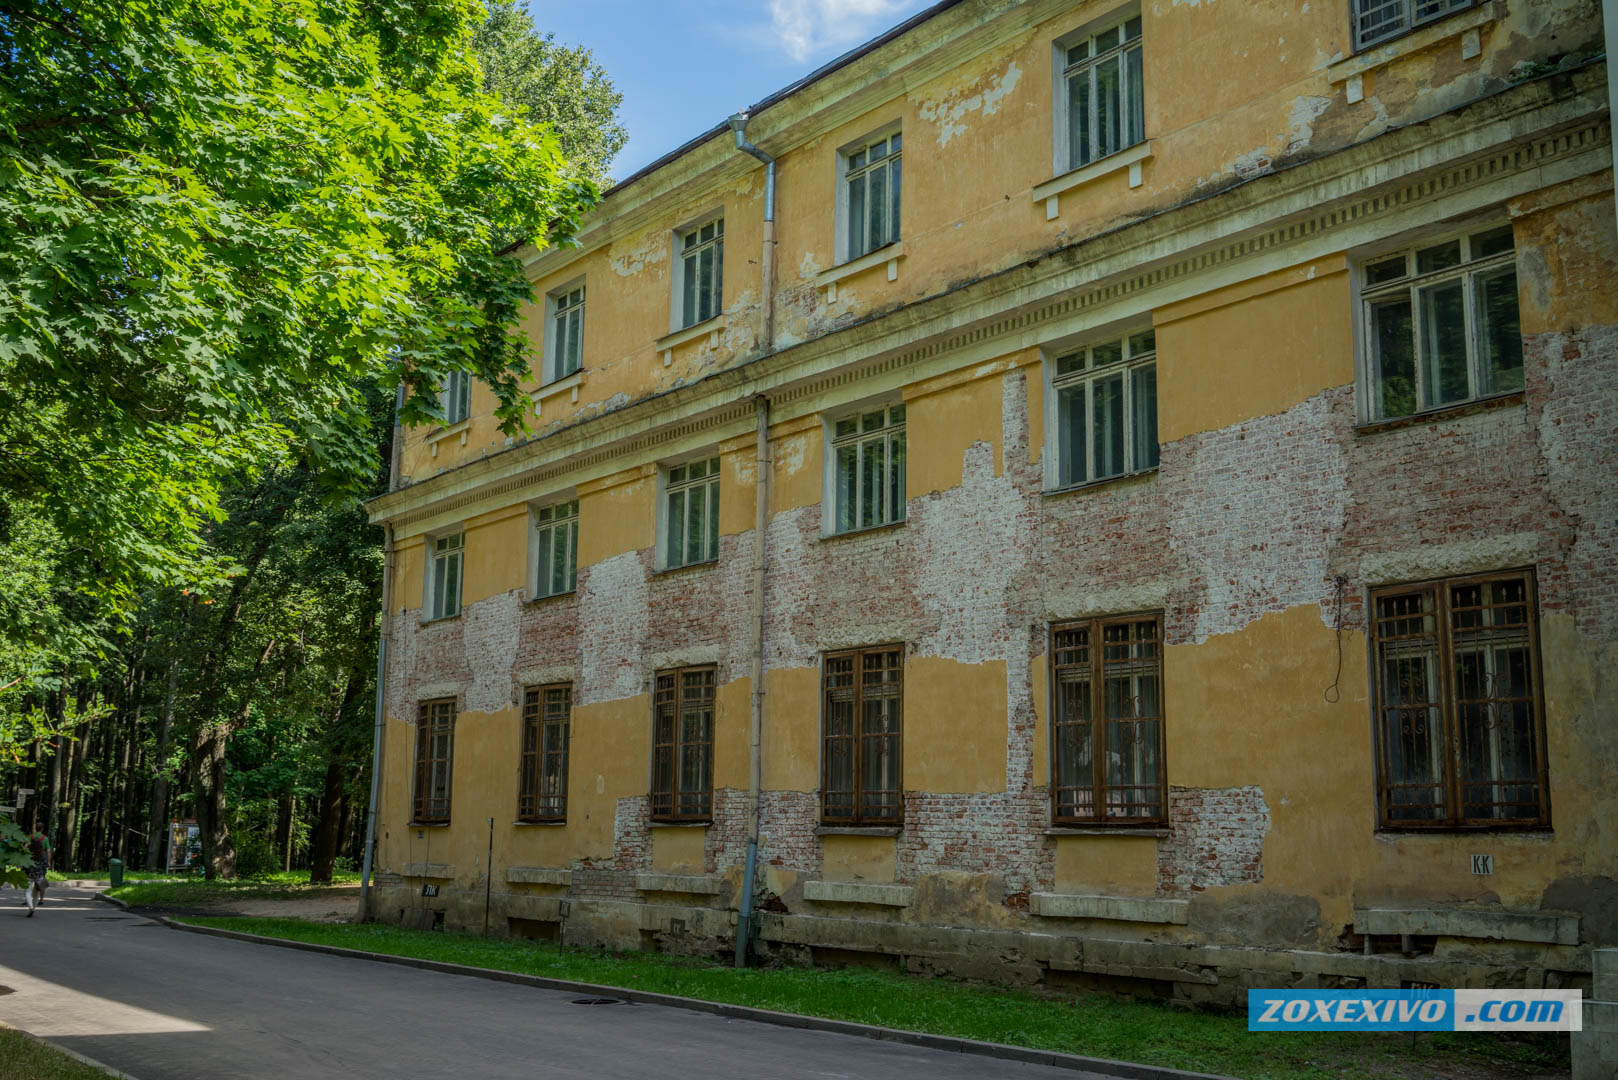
point(23, 1057)
point(1091, 1024)
point(279, 886)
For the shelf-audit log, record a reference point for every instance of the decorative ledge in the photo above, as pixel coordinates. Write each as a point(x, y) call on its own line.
point(669, 342)
point(560, 386)
point(534, 875)
point(1130, 159)
point(428, 870)
point(1080, 830)
point(828, 279)
point(858, 830)
point(1469, 22)
point(1112, 908)
point(853, 892)
point(1469, 923)
point(695, 885)
point(460, 427)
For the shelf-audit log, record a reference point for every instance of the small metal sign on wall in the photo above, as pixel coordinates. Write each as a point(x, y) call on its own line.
point(1483, 864)
point(429, 890)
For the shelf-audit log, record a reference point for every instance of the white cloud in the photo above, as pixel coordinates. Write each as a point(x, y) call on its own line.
point(806, 28)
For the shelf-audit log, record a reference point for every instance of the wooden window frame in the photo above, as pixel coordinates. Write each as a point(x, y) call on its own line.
point(567, 333)
point(858, 167)
point(1099, 727)
point(668, 701)
point(556, 531)
point(433, 717)
point(678, 481)
point(1451, 741)
point(695, 303)
point(1131, 86)
point(858, 436)
point(1081, 371)
point(533, 805)
point(858, 739)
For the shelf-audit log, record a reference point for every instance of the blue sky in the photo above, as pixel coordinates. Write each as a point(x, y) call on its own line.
point(683, 67)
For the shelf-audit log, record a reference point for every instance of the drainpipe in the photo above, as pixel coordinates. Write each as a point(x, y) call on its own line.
point(384, 634)
point(761, 514)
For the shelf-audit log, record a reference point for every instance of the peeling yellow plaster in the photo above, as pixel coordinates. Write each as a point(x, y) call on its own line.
point(617, 515)
point(859, 858)
point(678, 851)
point(792, 729)
point(940, 425)
point(1107, 865)
point(955, 725)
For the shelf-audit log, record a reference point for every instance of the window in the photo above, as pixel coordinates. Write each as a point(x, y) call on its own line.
point(1378, 20)
point(871, 177)
point(567, 334)
point(860, 775)
point(1104, 104)
point(682, 745)
point(542, 785)
point(556, 543)
point(1457, 702)
point(701, 272)
point(444, 577)
point(691, 495)
point(1106, 409)
point(1107, 721)
point(1441, 323)
point(868, 460)
point(435, 751)
point(456, 398)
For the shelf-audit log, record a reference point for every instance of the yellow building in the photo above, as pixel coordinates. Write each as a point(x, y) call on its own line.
point(1096, 490)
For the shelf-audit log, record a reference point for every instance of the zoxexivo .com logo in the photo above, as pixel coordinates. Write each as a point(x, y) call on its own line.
point(1414, 1010)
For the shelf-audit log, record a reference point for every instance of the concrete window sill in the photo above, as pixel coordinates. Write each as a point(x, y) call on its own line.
point(1420, 38)
point(1446, 412)
point(1103, 830)
point(890, 255)
point(867, 531)
point(436, 871)
point(852, 892)
point(549, 597)
point(710, 328)
point(706, 564)
point(859, 830)
point(1132, 159)
point(537, 875)
point(564, 385)
point(1461, 922)
point(680, 824)
point(1109, 908)
point(1105, 481)
point(457, 428)
point(690, 885)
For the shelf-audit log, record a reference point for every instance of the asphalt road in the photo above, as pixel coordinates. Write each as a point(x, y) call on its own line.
point(161, 1004)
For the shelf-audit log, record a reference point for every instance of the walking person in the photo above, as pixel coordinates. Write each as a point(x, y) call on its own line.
point(39, 849)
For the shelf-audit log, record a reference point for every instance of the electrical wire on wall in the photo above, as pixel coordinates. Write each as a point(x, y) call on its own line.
point(1334, 693)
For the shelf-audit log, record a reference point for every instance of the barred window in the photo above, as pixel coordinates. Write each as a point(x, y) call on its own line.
point(868, 458)
point(861, 780)
point(1105, 104)
point(872, 180)
point(542, 783)
point(701, 269)
point(682, 745)
point(1106, 409)
point(1441, 324)
point(1378, 20)
point(435, 752)
point(1459, 722)
point(1107, 721)
point(556, 542)
point(691, 521)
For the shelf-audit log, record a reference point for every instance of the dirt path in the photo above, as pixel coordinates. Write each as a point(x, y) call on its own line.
point(337, 904)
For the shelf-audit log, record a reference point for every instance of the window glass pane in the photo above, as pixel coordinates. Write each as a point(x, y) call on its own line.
point(879, 151)
point(878, 231)
point(894, 166)
point(1386, 270)
point(856, 217)
point(1107, 426)
point(1493, 242)
point(1499, 334)
point(1107, 39)
point(1135, 127)
point(1142, 343)
point(1438, 257)
point(1494, 699)
point(546, 568)
point(688, 309)
point(1078, 52)
point(1130, 682)
point(1074, 773)
point(848, 425)
point(871, 468)
point(1078, 119)
point(440, 574)
point(1391, 336)
point(847, 489)
point(712, 550)
point(705, 286)
point(1070, 416)
point(1068, 364)
point(1132, 29)
point(1443, 345)
point(452, 583)
point(696, 524)
point(676, 552)
point(1109, 107)
point(896, 477)
point(1106, 353)
point(716, 300)
point(1412, 732)
point(1143, 418)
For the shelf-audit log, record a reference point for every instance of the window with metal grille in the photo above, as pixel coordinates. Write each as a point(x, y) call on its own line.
point(1106, 409)
point(691, 521)
point(567, 334)
point(542, 784)
point(1107, 721)
point(682, 745)
point(1441, 323)
point(556, 543)
point(861, 782)
point(702, 272)
point(1459, 729)
point(1378, 20)
point(872, 180)
point(444, 577)
point(1105, 106)
point(455, 399)
point(435, 752)
point(868, 462)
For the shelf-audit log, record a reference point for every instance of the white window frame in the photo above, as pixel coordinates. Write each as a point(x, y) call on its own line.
point(445, 556)
point(1138, 348)
point(564, 328)
point(889, 136)
point(553, 531)
point(679, 317)
point(673, 478)
point(455, 399)
point(878, 422)
point(1406, 15)
point(1064, 158)
point(1469, 270)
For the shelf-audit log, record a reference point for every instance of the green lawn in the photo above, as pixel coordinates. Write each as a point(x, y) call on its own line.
point(105, 875)
point(24, 1058)
point(1096, 1025)
point(190, 891)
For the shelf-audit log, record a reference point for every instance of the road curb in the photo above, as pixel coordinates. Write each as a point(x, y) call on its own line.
point(74, 1054)
point(1122, 1070)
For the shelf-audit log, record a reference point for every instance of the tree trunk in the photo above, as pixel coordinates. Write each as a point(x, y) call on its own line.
point(283, 829)
point(323, 844)
point(345, 826)
point(157, 826)
point(66, 855)
point(208, 766)
point(58, 743)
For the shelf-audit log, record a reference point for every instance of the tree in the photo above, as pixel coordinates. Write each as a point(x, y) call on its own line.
point(557, 85)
